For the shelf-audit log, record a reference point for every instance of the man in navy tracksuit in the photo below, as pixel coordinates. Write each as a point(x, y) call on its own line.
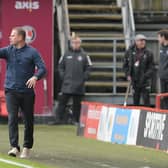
point(20, 81)
point(163, 66)
point(74, 69)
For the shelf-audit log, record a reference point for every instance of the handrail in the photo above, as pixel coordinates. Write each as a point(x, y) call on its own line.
point(128, 21)
point(67, 25)
point(131, 17)
point(63, 24)
point(114, 42)
point(158, 99)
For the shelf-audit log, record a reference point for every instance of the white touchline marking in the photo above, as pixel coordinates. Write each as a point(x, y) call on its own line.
point(15, 163)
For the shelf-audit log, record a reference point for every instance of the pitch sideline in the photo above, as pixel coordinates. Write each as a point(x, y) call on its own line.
point(15, 163)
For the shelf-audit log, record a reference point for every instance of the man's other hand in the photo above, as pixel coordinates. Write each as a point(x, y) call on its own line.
point(31, 83)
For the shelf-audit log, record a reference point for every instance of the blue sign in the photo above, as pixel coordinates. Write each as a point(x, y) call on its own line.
point(121, 126)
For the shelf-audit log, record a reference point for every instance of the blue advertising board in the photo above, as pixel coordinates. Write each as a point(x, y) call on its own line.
point(121, 126)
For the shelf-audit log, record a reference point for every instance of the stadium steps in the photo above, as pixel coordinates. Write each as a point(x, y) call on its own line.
point(95, 16)
point(105, 84)
point(149, 22)
point(90, 26)
point(105, 74)
point(101, 2)
point(100, 19)
point(100, 35)
point(107, 56)
point(109, 45)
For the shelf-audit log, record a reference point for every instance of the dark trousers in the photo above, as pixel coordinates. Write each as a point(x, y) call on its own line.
point(25, 102)
point(164, 89)
point(144, 91)
point(76, 106)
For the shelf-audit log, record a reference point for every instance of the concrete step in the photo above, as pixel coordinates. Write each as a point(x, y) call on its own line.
point(92, 1)
point(108, 57)
point(102, 44)
point(100, 34)
point(150, 27)
point(104, 55)
point(97, 17)
point(106, 74)
point(151, 16)
point(107, 64)
point(96, 26)
point(106, 84)
point(91, 7)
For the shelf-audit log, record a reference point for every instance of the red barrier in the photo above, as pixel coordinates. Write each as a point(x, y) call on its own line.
point(157, 104)
point(92, 120)
point(3, 110)
point(158, 99)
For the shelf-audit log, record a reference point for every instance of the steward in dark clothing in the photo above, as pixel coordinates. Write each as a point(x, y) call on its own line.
point(139, 67)
point(163, 65)
point(74, 69)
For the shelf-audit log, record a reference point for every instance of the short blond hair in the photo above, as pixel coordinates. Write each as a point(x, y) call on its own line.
point(74, 36)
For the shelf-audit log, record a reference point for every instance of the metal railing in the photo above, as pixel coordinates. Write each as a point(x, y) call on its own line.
point(128, 20)
point(63, 24)
point(113, 66)
point(152, 44)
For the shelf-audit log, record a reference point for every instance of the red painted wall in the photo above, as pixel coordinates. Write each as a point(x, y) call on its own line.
point(39, 15)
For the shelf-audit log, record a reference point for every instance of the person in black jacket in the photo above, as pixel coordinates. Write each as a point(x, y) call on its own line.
point(139, 66)
point(74, 69)
point(163, 65)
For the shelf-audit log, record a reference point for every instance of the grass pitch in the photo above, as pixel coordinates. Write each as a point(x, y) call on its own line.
point(59, 147)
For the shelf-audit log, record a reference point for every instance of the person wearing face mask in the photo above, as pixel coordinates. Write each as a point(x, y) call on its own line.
point(74, 67)
point(139, 67)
